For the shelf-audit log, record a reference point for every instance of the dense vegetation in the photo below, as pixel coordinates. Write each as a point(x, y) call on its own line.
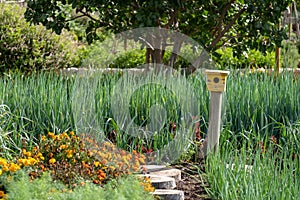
point(60, 137)
point(27, 48)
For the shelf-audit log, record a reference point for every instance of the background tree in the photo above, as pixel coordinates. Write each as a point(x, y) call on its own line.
point(241, 24)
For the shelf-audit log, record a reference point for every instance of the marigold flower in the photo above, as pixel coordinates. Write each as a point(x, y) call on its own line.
point(141, 160)
point(27, 154)
point(5, 167)
point(32, 161)
point(2, 194)
point(63, 146)
point(104, 161)
point(102, 175)
point(69, 153)
point(52, 161)
point(112, 168)
point(3, 161)
point(34, 149)
point(50, 134)
point(22, 161)
point(39, 155)
point(96, 163)
point(14, 167)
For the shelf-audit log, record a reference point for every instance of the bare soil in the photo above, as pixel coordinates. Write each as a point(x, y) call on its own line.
point(192, 182)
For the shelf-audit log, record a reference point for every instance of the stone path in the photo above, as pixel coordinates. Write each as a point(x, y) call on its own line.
point(164, 180)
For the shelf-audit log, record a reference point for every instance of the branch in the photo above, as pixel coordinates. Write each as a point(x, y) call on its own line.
point(227, 27)
point(88, 15)
point(135, 4)
point(171, 20)
point(79, 16)
point(200, 60)
point(225, 10)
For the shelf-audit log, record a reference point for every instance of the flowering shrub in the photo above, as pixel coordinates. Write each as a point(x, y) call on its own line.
point(69, 159)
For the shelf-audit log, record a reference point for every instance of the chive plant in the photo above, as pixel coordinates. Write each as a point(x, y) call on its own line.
point(254, 104)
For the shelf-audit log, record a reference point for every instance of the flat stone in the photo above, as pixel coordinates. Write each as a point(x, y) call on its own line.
point(169, 194)
point(153, 168)
point(161, 182)
point(173, 173)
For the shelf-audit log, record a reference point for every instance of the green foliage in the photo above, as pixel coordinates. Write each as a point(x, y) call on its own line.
point(273, 176)
point(290, 56)
point(241, 24)
point(225, 59)
point(38, 104)
point(28, 48)
point(20, 188)
point(129, 59)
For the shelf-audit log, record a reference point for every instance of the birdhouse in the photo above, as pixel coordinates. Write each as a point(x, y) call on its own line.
point(216, 80)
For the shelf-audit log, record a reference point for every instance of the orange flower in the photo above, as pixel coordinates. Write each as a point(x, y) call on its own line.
point(2, 194)
point(101, 175)
point(104, 161)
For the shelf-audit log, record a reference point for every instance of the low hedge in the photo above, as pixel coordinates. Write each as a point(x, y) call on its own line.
point(27, 48)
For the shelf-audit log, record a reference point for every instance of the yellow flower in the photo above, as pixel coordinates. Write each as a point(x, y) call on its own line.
point(39, 155)
point(141, 160)
point(5, 167)
point(0, 172)
point(27, 154)
point(72, 133)
point(63, 146)
point(35, 149)
point(3, 161)
point(52, 161)
point(96, 163)
point(14, 167)
point(43, 138)
point(32, 161)
point(69, 154)
point(22, 161)
point(50, 134)
point(112, 168)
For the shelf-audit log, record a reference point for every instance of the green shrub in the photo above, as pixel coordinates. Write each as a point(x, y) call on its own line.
point(224, 58)
point(29, 48)
point(106, 54)
point(289, 55)
point(45, 188)
point(129, 59)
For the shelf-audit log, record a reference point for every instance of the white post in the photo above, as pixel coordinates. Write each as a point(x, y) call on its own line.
point(216, 84)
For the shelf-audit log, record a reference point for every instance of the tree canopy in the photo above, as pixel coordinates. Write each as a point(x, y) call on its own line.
point(241, 24)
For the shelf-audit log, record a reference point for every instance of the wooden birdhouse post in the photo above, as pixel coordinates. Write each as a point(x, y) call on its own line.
point(216, 84)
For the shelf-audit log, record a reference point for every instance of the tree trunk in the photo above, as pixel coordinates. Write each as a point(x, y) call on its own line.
point(176, 50)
